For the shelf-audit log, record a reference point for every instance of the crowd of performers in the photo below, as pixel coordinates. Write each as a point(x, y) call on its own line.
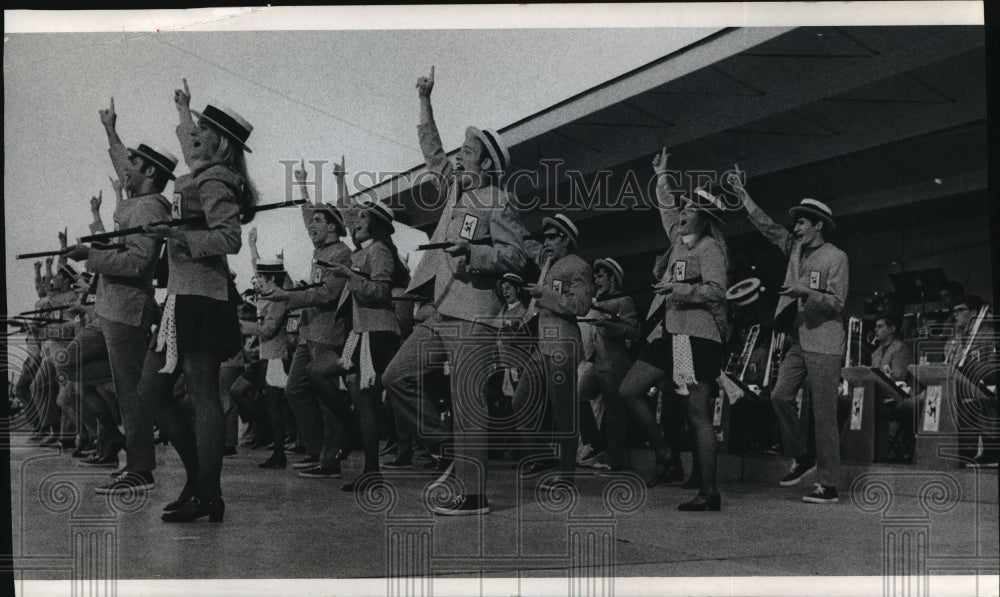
point(489, 342)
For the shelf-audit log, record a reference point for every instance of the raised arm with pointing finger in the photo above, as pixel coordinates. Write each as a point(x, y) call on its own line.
point(97, 226)
point(182, 101)
point(116, 149)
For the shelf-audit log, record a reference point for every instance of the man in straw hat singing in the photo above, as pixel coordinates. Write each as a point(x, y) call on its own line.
point(312, 389)
point(125, 305)
point(810, 307)
point(485, 241)
point(563, 292)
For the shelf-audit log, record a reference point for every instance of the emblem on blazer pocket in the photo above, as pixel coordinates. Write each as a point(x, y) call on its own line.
point(175, 208)
point(680, 271)
point(469, 227)
point(813, 280)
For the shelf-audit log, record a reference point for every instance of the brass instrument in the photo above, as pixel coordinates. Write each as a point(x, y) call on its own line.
point(774, 357)
point(976, 325)
point(852, 357)
point(738, 363)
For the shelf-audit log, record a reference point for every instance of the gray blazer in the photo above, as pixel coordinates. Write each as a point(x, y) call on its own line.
point(372, 309)
point(819, 320)
point(318, 322)
point(201, 268)
point(125, 285)
point(567, 293)
point(464, 287)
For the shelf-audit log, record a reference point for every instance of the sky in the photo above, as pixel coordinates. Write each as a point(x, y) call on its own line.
point(316, 95)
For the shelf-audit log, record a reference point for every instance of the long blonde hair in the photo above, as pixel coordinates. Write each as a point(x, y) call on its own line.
point(232, 153)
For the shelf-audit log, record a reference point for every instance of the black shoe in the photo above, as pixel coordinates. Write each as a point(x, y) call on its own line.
point(364, 482)
point(321, 472)
point(127, 482)
point(307, 462)
point(229, 452)
point(537, 467)
point(275, 460)
point(195, 509)
point(186, 495)
point(823, 494)
point(800, 468)
point(464, 505)
point(401, 461)
point(99, 461)
point(693, 482)
point(701, 503)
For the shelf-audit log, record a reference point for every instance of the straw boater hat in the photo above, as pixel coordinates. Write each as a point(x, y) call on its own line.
point(228, 122)
point(381, 211)
point(816, 209)
point(494, 145)
point(514, 279)
point(563, 224)
point(271, 266)
point(706, 203)
point(744, 293)
point(612, 266)
point(161, 158)
point(335, 213)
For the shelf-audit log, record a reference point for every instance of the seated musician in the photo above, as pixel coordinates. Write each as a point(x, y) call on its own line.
point(963, 345)
point(892, 356)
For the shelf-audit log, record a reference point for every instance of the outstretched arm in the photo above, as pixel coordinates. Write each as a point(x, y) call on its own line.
point(182, 101)
point(252, 241)
point(63, 244)
point(97, 226)
point(430, 140)
point(771, 230)
point(668, 206)
point(116, 149)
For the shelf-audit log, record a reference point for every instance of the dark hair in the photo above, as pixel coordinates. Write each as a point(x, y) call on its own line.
point(826, 230)
point(279, 277)
point(972, 301)
point(522, 295)
point(380, 231)
point(892, 320)
point(612, 275)
point(328, 217)
point(160, 176)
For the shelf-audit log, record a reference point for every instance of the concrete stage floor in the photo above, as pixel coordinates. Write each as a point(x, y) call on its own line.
point(278, 525)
